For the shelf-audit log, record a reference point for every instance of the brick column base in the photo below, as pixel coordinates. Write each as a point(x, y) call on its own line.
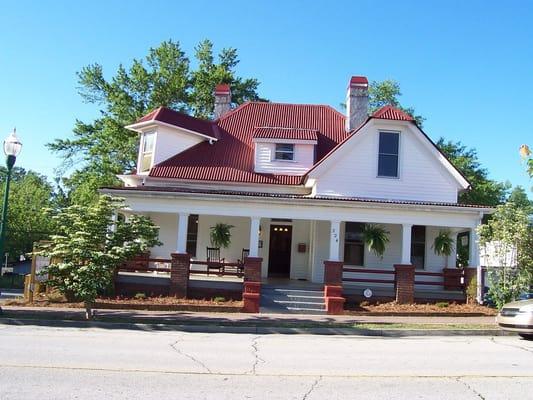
point(251, 297)
point(252, 269)
point(333, 273)
point(452, 278)
point(179, 274)
point(404, 283)
point(470, 278)
point(334, 300)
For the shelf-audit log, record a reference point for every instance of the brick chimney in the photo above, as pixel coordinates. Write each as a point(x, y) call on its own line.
point(356, 102)
point(222, 100)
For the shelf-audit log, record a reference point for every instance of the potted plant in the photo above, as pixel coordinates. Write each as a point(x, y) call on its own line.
point(220, 235)
point(443, 245)
point(376, 238)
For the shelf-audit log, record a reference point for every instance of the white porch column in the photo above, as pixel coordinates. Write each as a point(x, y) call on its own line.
point(334, 241)
point(473, 255)
point(406, 243)
point(254, 236)
point(181, 244)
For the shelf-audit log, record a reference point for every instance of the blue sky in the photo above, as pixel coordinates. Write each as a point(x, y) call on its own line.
point(467, 66)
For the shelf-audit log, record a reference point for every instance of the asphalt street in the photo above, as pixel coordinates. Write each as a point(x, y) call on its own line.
point(97, 363)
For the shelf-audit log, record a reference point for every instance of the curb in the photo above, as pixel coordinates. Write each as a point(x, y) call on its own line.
point(251, 329)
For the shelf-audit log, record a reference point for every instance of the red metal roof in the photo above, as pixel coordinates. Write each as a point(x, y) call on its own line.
point(301, 197)
point(166, 115)
point(231, 158)
point(285, 133)
point(390, 112)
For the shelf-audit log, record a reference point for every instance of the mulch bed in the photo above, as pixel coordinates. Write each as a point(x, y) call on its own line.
point(148, 304)
point(437, 309)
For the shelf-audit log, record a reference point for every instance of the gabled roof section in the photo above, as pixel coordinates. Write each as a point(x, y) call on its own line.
point(392, 113)
point(179, 120)
point(285, 133)
point(231, 158)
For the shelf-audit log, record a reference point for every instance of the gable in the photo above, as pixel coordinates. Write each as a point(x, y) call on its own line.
point(352, 168)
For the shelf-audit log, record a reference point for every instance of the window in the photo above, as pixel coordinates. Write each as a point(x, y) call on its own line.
point(418, 246)
point(147, 151)
point(354, 248)
point(388, 154)
point(284, 152)
point(192, 234)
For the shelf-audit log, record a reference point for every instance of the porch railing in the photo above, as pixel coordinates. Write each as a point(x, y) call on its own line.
point(381, 272)
point(146, 265)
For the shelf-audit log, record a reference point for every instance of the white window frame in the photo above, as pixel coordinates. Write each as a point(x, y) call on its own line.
point(293, 152)
point(143, 153)
point(397, 177)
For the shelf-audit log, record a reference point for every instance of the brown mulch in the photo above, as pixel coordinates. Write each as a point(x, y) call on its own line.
point(149, 303)
point(393, 308)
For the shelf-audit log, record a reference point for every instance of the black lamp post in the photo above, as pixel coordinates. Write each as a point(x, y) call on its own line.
point(12, 147)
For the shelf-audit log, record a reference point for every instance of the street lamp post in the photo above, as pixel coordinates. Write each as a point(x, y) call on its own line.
point(12, 147)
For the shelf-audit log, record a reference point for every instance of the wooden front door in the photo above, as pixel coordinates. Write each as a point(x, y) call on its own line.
point(279, 253)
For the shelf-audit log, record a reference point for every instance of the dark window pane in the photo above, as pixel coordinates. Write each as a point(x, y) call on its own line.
point(388, 142)
point(418, 246)
point(354, 253)
point(284, 147)
point(284, 156)
point(354, 249)
point(284, 151)
point(192, 235)
point(388, 165)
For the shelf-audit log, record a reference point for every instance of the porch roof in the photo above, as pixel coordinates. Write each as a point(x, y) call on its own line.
point(305, 198)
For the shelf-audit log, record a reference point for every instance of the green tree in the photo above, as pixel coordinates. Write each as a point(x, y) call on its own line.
point(103, 148)
point(27, 222)
point(484, 191)
point(388, 92)
point(86, 250)
point(509, 236)
point(519, 197)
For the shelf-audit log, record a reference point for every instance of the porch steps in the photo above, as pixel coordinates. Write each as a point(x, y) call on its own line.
point(287, 300)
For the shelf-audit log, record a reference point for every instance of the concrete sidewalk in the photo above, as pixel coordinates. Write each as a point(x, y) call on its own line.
point(187, 317)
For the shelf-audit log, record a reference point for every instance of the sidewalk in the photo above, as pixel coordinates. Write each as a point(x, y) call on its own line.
point(253, 323)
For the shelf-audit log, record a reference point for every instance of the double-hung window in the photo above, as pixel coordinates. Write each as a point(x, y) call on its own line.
point(389, 146)
point(147, 151)
point(192, 234)
point(354, 248)
point(418, 246)
point(284, 152)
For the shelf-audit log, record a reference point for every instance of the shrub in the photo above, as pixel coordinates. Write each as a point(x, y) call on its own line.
point(140, 296)
point(442, 304)
point(219, 299)
point(56, 297)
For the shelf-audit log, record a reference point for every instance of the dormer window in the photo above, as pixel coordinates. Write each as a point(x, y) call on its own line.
point(284, 152)
point(147, 151)
point(389, 145)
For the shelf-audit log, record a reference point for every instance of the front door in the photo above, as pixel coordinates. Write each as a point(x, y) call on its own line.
point(279, 254)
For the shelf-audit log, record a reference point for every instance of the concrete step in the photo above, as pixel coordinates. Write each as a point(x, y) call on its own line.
point(282, 300)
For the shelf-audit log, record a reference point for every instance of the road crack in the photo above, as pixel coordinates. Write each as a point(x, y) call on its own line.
point(175, 347)
point(255, 353)
point(465, 384)
point(312, 388)
point(511, 345)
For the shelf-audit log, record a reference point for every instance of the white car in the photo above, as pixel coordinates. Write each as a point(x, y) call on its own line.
point(517, 317)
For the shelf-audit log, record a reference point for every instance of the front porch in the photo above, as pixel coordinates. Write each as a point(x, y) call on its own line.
point(293, 254)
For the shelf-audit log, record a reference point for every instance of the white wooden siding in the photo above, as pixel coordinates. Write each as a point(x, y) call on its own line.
point(421, 176)
point(265, 163)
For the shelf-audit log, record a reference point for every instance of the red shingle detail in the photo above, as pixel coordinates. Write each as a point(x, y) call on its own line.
point(168, 116)
point(390, 112)
point(285, 133)
point(231, 158)
point(222, 88)
point(358, 80)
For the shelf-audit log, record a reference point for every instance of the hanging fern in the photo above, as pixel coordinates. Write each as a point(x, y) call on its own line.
point(443, 245)
point(376, 238)
point(220, 235)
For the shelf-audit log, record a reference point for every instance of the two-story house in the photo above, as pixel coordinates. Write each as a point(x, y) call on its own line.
point(298, 182)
